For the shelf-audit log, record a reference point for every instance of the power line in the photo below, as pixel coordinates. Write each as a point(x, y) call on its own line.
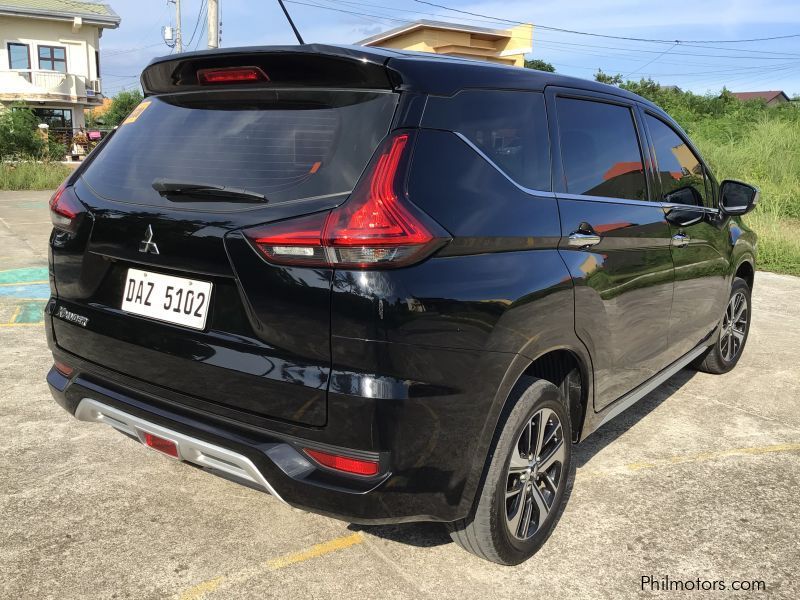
point(380, 18)
point(197, 22)
point(615, 37)
point(647, 64)
point(205, 22)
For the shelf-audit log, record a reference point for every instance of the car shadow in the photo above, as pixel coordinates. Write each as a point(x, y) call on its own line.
point(427, 535)
point(612, 430)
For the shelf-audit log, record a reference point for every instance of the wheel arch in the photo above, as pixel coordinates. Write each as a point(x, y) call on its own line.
point(546, 363)
point(746, 270)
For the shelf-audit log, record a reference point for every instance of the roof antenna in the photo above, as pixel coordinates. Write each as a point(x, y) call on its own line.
point(288, 18)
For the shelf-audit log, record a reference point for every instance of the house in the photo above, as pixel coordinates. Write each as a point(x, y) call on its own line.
point(772, 97)
point(50, 58)
point(505, 46)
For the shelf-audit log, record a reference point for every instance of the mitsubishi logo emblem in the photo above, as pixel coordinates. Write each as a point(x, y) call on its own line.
point(147, 244)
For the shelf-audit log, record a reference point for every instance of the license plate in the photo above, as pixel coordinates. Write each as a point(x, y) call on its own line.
point(166, 298)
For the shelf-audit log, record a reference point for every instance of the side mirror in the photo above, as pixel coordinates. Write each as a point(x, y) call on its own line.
point(736, 197)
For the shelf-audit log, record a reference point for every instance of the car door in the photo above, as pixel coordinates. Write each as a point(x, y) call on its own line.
point(700, 244)
point(615, 240)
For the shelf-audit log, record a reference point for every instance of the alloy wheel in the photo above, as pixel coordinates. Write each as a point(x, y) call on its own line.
point(535, 473)
point(734, 327)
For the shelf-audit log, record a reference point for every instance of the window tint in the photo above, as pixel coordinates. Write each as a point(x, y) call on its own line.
point(53, 58)
point(508, 127)
point(600, 150)
point(679, 170)
point(285, 145)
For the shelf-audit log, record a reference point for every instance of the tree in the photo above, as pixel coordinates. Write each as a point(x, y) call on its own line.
point(18, 134)
point(121, 106)
point(539, 65)
point(606, 78)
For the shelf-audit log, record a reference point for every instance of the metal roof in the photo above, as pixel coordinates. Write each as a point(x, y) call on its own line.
point(426, 24)
point(61, 10)
point(766, 96)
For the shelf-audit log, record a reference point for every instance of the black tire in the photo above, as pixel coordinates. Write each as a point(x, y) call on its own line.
point(487, 531)
point(719, 360)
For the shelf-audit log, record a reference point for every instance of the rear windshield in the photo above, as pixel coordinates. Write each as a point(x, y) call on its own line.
point(286, 145)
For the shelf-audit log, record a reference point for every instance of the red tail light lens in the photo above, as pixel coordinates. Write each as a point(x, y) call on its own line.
point(65, 208)
point(63, 368)
point(231, 75)
point(343, 463)
point(376, 228)
point(294, 242)
point(168, 447)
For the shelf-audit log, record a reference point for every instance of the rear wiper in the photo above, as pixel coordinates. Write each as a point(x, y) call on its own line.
point(169, 187)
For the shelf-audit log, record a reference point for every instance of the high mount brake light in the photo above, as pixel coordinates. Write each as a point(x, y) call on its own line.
point(377, 227)
point(231, 75)
point(65, 208)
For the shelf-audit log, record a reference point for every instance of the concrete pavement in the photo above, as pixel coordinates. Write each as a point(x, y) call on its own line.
point(698, 480)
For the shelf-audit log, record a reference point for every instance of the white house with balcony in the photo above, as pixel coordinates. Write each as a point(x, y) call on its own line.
point(50, 57)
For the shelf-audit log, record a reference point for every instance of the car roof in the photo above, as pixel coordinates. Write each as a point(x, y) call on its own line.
point(430, 73)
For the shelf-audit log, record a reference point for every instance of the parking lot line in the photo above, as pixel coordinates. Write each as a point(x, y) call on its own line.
point(316, 551)
point(198, 591)
point(201, 589)
point(691, 458)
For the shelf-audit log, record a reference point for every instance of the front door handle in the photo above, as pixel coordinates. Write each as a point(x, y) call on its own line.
point(680, 240)
point(578, 239)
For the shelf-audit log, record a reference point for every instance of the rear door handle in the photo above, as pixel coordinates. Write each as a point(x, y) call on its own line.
point(680, 240)
point(583, 240)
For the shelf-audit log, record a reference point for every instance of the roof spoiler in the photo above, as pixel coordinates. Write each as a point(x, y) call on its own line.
point(310, 65)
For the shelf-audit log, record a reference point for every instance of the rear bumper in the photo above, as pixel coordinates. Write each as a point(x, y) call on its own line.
point(428, 464)
point(267, 461)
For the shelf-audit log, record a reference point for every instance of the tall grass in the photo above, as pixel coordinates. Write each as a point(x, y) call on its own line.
point(767, 155)
point(32, 175)
point(754, 143)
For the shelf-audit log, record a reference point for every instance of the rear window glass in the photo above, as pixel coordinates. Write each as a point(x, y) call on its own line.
point(285, 145)
point(508, 127)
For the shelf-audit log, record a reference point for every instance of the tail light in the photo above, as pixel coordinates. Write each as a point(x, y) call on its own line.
point(377, 227)
point(65, 208)
point(63, 368)
point(343, 463)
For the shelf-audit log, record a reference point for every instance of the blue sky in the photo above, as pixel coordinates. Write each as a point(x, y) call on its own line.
point(700, 67)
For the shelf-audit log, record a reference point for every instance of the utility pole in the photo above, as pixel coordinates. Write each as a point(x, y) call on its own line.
point(213, 23)
point(178, 35)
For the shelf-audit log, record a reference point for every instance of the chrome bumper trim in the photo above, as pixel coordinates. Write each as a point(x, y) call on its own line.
point(190, 449)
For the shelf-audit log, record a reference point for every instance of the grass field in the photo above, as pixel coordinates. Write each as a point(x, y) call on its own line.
point(766, 155)
point(756, 144)
point(32, 175)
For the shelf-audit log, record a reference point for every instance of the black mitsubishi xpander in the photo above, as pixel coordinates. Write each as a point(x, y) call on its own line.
point(386, 286)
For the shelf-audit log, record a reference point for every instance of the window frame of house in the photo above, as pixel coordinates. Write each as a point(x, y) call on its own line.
point(52, 58)
point(67, 125)
point(26, 71)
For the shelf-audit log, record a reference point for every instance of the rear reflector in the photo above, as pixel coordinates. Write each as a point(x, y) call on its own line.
point(377, 227)
point(343, 463)
point(231, 75)
point(158, 443)
point(64, 369)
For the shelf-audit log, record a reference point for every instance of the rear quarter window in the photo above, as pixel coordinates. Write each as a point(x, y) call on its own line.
point(509, 127)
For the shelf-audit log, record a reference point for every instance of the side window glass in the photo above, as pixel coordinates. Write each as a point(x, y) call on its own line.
point(508, 127)
point(681, 173)
point(600, 150)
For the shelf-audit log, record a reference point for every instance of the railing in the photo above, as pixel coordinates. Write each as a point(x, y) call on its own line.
point(28, 82)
